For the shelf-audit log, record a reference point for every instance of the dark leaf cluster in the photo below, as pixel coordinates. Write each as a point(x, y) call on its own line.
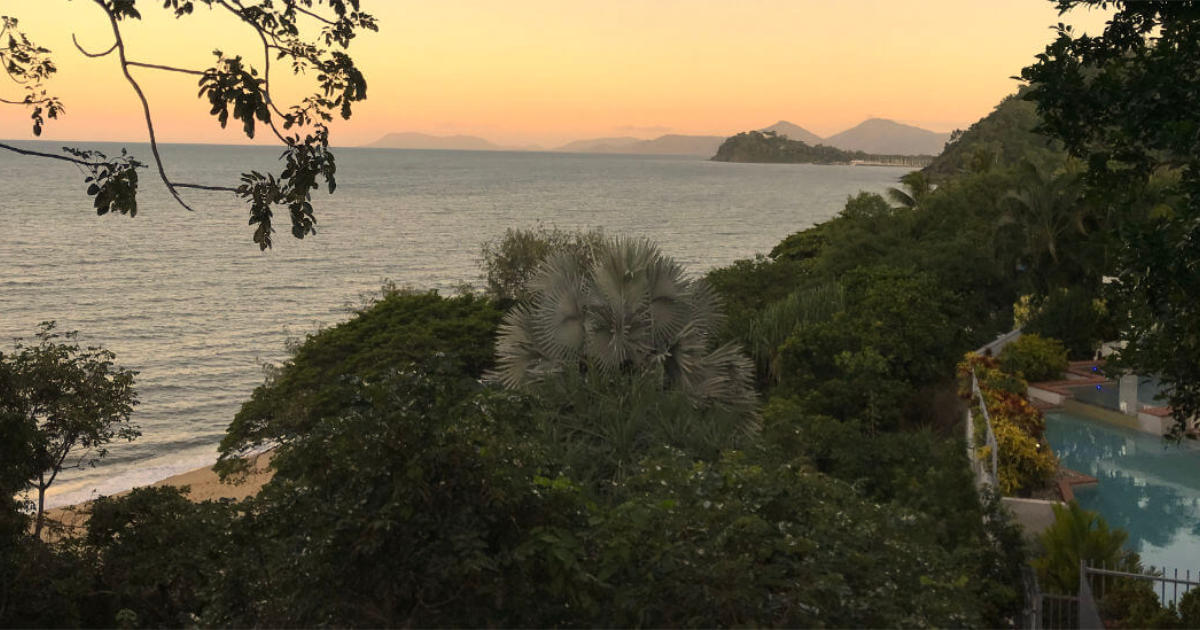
point(307, 163)
point(231, 83)
point(112, 182)
point(29, 66)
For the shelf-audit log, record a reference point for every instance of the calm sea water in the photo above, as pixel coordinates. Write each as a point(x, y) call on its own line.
point(188, 301)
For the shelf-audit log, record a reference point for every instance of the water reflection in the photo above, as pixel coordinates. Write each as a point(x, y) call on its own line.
point(1147, 486)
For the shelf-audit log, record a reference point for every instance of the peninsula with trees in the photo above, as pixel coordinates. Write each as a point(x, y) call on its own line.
point(772, 147)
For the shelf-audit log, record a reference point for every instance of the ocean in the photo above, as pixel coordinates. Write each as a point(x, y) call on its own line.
point(187, 300)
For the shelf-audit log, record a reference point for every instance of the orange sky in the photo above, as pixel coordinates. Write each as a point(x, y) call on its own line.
point(550, 71)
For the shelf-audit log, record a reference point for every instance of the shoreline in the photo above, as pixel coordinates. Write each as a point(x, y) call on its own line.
point(203, 485)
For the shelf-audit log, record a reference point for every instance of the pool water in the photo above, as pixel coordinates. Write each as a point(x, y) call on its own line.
point(1147, 486)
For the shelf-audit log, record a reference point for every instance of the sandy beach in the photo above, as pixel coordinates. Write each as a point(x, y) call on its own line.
point(203, 485)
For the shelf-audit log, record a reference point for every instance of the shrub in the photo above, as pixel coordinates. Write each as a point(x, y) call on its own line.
point(870, 361)
point(321, 377)
point(405, 509)
point(1079, 535)
point(1035, 358)
point(1075, 317)
point(1024, 463)
point(735, 543)
point(157, 554)
point(1024, 460)
point(510, 262)
point(990, 376)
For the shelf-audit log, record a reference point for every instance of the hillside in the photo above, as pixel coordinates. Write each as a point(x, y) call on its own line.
point(887, 137)
point(794, 132)
point(1002, 138)
point(756, 146)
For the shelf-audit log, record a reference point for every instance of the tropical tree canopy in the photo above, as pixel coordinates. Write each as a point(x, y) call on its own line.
point(69, 401)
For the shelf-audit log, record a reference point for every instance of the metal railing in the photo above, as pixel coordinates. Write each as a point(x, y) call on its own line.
point(985, 473)
point(1169, 588)
point(1083, 610)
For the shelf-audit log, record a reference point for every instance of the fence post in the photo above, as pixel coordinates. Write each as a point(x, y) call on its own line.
point(1089, 613)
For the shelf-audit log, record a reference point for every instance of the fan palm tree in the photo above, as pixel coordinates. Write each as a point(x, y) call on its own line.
point(628, 315)
point(631, 309)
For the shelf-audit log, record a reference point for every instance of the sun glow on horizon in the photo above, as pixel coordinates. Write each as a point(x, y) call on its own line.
point(546, 72)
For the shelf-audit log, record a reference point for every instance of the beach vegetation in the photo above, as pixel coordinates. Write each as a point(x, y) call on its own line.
point(69, 401)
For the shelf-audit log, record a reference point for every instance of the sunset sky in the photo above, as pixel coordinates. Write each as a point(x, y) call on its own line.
point(551, 71)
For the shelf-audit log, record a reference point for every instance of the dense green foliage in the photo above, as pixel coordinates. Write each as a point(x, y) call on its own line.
point(1123, 102)
point(1035, 358)
point(320, 379)
point(59, 400)
point(1076, 317)
point(434, 501)
point(1004, 138)
point(767, 146)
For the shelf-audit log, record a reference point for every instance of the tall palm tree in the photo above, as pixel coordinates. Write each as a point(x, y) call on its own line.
point(1048, 205)
point(630, 311)
point(914, 188)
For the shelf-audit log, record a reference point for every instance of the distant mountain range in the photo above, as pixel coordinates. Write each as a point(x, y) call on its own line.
point(670, 144)
point(875, 135)
point(412, 140)
point(794, 132)
point(888, 137)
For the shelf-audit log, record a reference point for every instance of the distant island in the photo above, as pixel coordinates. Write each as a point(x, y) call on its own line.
point(874, 136)
point(670, 144)
point(412, 140)
point(772, 147)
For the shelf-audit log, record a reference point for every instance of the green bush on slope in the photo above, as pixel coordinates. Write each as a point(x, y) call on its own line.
point(319, 379)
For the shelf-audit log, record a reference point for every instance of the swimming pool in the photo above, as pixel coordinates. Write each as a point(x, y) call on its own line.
point(1148, 487)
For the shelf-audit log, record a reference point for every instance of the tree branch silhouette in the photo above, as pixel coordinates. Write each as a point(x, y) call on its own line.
point(234, 89)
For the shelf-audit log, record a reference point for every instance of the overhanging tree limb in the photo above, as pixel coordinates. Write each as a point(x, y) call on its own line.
point(233, 89)
point(162, 171)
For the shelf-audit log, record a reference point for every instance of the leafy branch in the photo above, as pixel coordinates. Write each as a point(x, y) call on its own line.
point(310, 35)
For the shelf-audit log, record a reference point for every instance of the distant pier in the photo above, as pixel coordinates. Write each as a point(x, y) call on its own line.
point(915, 161)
